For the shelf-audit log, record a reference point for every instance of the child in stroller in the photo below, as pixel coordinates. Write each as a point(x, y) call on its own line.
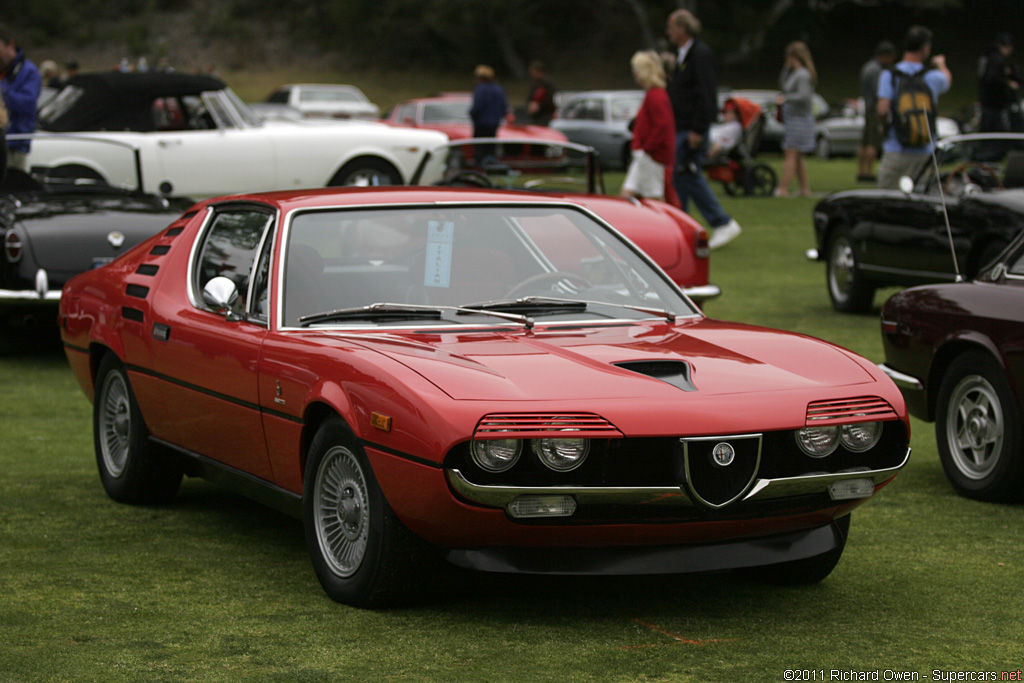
point(734, 142)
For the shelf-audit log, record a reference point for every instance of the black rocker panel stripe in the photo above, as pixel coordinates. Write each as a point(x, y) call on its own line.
point(274, 413)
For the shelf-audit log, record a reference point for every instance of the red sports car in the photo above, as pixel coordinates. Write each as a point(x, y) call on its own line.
point(494, 377)
point(676, 242)
point(449, 114)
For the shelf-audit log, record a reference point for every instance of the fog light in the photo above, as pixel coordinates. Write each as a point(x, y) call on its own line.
point(848, 489)
point(542, 506)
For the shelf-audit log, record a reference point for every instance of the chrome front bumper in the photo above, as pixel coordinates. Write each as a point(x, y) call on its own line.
point(760, 490)
point(901, 380)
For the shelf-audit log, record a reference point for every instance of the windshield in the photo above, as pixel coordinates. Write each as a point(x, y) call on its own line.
point(446, 112)
point(491, 257)
point(976, 163)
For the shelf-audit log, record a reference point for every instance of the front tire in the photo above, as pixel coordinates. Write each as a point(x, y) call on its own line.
point(849, 291)
point(132, 469)
point(978, 430)
point(362, 554)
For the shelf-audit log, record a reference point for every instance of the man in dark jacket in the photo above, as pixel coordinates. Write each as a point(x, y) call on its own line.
point(20, 84)
point(998, 87)
point(488, 111)
point(692, 88)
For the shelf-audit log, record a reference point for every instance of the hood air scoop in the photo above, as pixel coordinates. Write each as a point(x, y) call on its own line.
point(674, 372)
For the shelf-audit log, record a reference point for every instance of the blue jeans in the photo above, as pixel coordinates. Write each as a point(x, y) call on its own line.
point(690, 182)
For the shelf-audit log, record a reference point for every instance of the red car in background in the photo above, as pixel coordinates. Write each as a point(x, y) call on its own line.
point(495, 378)
point(673, 239)
point(449, 114)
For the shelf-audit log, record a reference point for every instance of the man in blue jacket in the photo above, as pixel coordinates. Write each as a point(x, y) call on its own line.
point(490, 106)
point(20, 84)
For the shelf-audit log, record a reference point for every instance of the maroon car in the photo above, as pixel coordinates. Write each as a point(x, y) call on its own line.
point(956, 352)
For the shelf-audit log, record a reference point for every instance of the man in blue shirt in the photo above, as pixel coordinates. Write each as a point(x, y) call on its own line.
point(20, 84)
point(899, 160)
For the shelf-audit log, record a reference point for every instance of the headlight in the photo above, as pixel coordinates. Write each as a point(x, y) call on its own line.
point(861, 436)
point(818, 442)
point(496, 455)
point(561, 455)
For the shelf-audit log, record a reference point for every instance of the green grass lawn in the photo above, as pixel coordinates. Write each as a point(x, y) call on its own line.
point(217, 588)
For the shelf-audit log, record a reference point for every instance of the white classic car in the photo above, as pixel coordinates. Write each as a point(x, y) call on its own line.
point(197, 138)
point(325, 100)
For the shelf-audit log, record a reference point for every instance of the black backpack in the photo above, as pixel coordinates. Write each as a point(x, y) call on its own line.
point(912, 111)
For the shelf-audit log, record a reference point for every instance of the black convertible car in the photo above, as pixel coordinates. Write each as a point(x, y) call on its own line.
point(877, 238)
point(56, 227)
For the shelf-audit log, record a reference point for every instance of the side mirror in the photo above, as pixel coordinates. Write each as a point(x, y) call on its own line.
point(220, 293)
point(906, 184)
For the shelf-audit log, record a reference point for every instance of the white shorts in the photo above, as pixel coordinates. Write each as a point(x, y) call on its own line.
point(645, 177)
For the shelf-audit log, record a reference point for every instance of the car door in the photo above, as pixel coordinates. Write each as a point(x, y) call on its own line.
point(217, 153)
point(209, 359)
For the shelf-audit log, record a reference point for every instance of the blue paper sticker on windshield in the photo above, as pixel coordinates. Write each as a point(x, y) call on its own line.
point(437, 271)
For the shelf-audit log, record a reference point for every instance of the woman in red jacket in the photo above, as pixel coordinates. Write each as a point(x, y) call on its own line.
point(654, 135)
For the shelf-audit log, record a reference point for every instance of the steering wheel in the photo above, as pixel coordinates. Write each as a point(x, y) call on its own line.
point(467, 178)
point(963, 173)
point(549, 281)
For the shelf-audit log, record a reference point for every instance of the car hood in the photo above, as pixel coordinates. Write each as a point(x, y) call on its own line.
point(584, 362)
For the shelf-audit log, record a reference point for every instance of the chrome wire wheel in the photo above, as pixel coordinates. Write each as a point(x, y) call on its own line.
point(115, 423)
point(341, 506)
point(975, 427)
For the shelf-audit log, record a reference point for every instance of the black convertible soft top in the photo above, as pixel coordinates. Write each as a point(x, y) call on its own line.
point(117, 101)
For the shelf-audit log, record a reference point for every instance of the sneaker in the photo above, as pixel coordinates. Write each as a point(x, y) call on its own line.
point(724, 234)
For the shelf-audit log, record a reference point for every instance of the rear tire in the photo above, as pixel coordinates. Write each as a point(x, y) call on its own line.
point(849, 291)
point(132, 469)
point(366, 172)
point(978, 430)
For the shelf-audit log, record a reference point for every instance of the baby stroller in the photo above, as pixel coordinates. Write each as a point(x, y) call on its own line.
point(736, 168)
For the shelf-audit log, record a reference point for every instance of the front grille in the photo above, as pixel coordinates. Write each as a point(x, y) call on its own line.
point(721, 469)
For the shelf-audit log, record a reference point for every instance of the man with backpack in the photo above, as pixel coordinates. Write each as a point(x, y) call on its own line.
point(907, 97)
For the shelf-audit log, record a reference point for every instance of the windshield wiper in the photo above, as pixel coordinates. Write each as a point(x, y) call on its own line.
point(530, 304)
point(375, 312)
point(388, 311)
point(544, 304)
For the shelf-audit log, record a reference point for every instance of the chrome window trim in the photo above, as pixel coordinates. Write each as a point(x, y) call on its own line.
point(285, 227)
